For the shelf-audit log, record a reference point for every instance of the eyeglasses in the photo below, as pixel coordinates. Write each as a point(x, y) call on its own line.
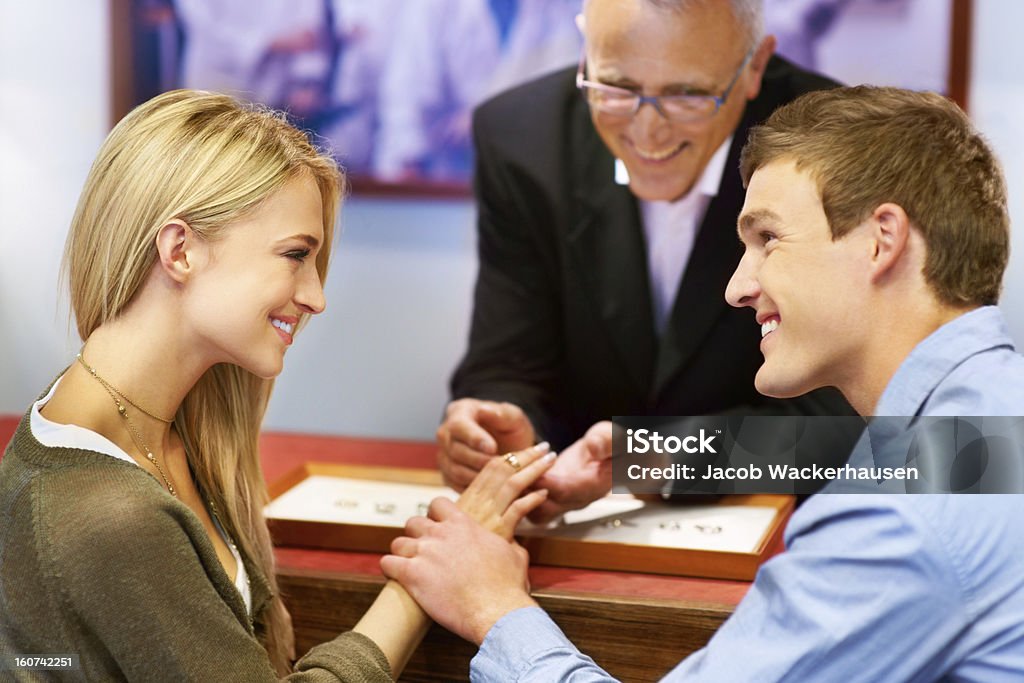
point(609, 99)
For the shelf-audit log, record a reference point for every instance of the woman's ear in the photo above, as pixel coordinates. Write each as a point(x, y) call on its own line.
point(890, 231)
point(175, 245)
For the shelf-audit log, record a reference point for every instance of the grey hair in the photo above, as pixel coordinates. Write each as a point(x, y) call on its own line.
point(748, 13)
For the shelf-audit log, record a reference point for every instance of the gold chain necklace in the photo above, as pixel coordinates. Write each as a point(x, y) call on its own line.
point(111, 388)
point(132, 431)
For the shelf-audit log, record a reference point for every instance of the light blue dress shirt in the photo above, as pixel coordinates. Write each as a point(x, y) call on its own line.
point(871, 587)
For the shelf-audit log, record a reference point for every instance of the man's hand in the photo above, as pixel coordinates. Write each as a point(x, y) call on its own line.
point(474, 432)
point(463, 576)
point(580, 475)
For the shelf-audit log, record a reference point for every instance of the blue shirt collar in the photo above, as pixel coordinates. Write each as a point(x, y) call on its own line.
point(938, 354)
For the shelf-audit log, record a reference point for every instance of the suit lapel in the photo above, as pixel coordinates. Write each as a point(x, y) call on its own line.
point(701, 296)
point(606, 246)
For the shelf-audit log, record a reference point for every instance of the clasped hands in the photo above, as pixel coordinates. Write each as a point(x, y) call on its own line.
point(460, 562)
point(463, 575)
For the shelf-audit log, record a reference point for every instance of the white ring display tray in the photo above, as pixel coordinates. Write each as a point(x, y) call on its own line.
point(363, 508)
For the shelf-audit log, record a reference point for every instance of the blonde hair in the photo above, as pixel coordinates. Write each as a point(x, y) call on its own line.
point(865, 146)
point(208, 160)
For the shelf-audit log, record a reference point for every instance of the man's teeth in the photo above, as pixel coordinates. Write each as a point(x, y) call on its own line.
point(283, 326)
point(768, 327)
point(658, 154)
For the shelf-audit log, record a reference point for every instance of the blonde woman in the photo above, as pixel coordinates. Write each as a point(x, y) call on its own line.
point(131, 526)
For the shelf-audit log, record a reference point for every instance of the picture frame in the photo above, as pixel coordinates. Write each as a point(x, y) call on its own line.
point(387, 86)
point(916, 44)
point(390, 87)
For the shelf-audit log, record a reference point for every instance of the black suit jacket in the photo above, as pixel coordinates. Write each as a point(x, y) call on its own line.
point(563, 321)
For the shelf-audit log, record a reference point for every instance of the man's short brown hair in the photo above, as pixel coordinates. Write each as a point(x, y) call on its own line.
point(865, 146)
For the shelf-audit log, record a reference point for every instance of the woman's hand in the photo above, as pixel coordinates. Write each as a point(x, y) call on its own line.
point(493, 499)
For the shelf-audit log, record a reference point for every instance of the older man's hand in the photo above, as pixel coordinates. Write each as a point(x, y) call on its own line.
point(474, 432)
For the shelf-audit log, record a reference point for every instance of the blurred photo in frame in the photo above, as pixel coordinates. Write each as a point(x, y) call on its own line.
point(389, 85)
point(915, 44)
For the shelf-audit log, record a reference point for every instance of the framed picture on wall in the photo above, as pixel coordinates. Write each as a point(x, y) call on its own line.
point(917, 44)
point(389, 85)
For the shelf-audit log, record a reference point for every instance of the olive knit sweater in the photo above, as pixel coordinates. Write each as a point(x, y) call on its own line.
point(96, 559)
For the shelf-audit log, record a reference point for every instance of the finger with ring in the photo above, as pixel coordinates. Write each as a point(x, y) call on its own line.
point(513, 460)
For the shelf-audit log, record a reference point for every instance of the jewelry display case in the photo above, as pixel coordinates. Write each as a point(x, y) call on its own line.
point(363, 508)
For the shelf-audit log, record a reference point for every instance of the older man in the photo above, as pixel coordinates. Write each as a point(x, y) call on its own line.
point(607, 197)
point(875, 235)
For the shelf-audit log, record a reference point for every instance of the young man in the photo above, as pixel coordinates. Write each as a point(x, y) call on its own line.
point(875, 236)
point(607, 198)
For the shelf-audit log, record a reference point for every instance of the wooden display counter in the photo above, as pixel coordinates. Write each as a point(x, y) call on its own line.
point(637, 626)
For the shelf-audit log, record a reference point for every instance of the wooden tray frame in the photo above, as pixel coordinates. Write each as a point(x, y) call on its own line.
point(545, 550)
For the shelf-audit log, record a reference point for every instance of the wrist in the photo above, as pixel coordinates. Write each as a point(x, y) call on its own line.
point(487, 618)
